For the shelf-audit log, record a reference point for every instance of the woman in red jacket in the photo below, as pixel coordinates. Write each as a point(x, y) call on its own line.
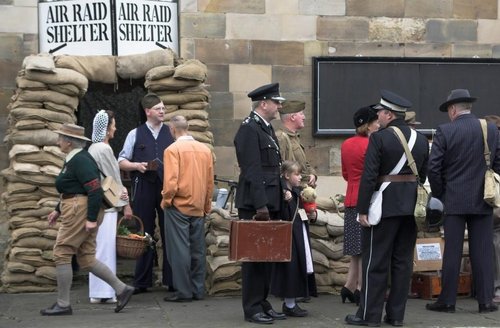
point(353, 156)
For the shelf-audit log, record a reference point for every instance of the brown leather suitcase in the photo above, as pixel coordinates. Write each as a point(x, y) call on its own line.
point(260, 241)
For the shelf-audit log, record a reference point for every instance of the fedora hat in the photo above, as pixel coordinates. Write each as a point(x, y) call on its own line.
point(457, 96)
point(73, 131)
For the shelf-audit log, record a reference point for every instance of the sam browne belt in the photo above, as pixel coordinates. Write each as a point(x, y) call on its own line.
point(397, 178)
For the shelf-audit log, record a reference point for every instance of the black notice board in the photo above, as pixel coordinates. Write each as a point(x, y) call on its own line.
point(344, 84)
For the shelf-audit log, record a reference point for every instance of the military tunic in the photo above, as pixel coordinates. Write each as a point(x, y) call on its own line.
point(259, 185)
point(292, 149)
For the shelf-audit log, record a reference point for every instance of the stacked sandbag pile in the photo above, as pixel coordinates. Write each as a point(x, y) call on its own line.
point(46, 97)
point(180, 85)
point(223, 276)
point(327, 243)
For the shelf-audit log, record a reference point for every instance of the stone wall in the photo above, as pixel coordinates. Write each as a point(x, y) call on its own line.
point(249, 43)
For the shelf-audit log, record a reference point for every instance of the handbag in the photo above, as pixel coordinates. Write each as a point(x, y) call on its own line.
point(422, 193)
point(375, 209)
point(491, 178)
point(112, 192)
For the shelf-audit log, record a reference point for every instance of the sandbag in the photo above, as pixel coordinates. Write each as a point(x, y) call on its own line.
point(159, 72)
point(34, 243)
point(44, 115)
point(25, 168)
point(22, 149)
point(24, 233)
point(43, 62)
point(61, 76)
point(204, 137)
point(48, 272)
point(20, 187)
point(136, 66)
point(39, 137)
point(227, 273)
point(95, 68)
point(198, 125)
point(189, 114)
point(191, 69)
point(201, 105)
point(183, 98)
point(317, 231)
point(23, 83)
point(18, 267)
point(40, 158)
point(67, 89)
point(30, 124)
point(47, 95)
point(169, 83)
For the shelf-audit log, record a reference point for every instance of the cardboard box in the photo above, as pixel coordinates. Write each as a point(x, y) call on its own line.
point(260, 241)
point(428, 254)
point(427, 285)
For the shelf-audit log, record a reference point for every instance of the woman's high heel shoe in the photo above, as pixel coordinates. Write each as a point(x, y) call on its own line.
point(357, 296)
point(346, 293)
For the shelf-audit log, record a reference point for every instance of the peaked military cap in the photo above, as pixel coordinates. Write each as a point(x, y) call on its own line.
point(457, 96)
point(393, 102)
point(267, 92)
point(292, 106)
point(411, 118)
point(364, 115)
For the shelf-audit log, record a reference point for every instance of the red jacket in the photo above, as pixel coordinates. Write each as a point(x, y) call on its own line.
point(352, 154)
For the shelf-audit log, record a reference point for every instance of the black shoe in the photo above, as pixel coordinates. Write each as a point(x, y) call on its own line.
point(351, 319)
point(275, 315)
point(140, 290)
point(440, 307)
point(55, 309)
point(346, 293)
point(357, 296)
point(123, 298)
point(395, 323)
point(491, 307)
point(303, 299)
point(177, 299)
point(198, 298)
point(296, 311)
point(260, 318)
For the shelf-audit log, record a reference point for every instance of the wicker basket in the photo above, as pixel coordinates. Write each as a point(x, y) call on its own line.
point(128, 247)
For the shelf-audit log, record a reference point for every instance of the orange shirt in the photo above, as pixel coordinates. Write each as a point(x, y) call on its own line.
point(188, 180)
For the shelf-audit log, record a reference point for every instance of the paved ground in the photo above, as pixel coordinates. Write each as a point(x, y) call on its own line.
point(149, 310)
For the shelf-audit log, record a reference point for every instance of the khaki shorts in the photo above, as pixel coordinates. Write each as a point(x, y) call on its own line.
point(72, 238)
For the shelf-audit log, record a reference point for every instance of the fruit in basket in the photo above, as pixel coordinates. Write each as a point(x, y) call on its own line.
point(135, 236)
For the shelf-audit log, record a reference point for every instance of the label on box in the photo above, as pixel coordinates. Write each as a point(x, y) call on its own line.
point(426, 252)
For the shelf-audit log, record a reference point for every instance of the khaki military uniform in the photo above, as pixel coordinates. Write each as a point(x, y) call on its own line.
point(291, 149)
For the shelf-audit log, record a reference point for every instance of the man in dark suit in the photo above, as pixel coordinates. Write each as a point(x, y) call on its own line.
point(259, 192)
point(388, 246)
point(456, 165)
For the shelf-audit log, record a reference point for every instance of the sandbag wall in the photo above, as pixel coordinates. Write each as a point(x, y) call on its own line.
point(47, 95)
point(327, 242)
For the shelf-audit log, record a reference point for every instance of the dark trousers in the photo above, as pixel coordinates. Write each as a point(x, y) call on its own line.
point(146, 205)
point(186, 250)
point(255, 278)
point(387, 246)
point(480, 234)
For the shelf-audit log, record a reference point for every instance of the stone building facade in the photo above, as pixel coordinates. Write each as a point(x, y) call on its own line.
point(249, 43)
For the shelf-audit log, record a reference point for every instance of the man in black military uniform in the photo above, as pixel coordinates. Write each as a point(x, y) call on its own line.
point(388, 246)
point(259, 192)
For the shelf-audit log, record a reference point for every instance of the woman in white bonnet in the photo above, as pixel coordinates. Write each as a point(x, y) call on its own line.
point(103, 130)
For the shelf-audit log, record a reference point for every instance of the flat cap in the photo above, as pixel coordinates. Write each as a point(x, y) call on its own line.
point(393, 102)
point(292, 106)
point(493, 119)
point(267, 92)
point(364, 115)
point(457, 96)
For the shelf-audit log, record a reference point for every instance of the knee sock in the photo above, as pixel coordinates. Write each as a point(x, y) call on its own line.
point(64, 274)
point(290, 303)
point(103, 272)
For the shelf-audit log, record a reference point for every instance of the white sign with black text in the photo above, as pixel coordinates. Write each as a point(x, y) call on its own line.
point(75, 27)
point(145, 25)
